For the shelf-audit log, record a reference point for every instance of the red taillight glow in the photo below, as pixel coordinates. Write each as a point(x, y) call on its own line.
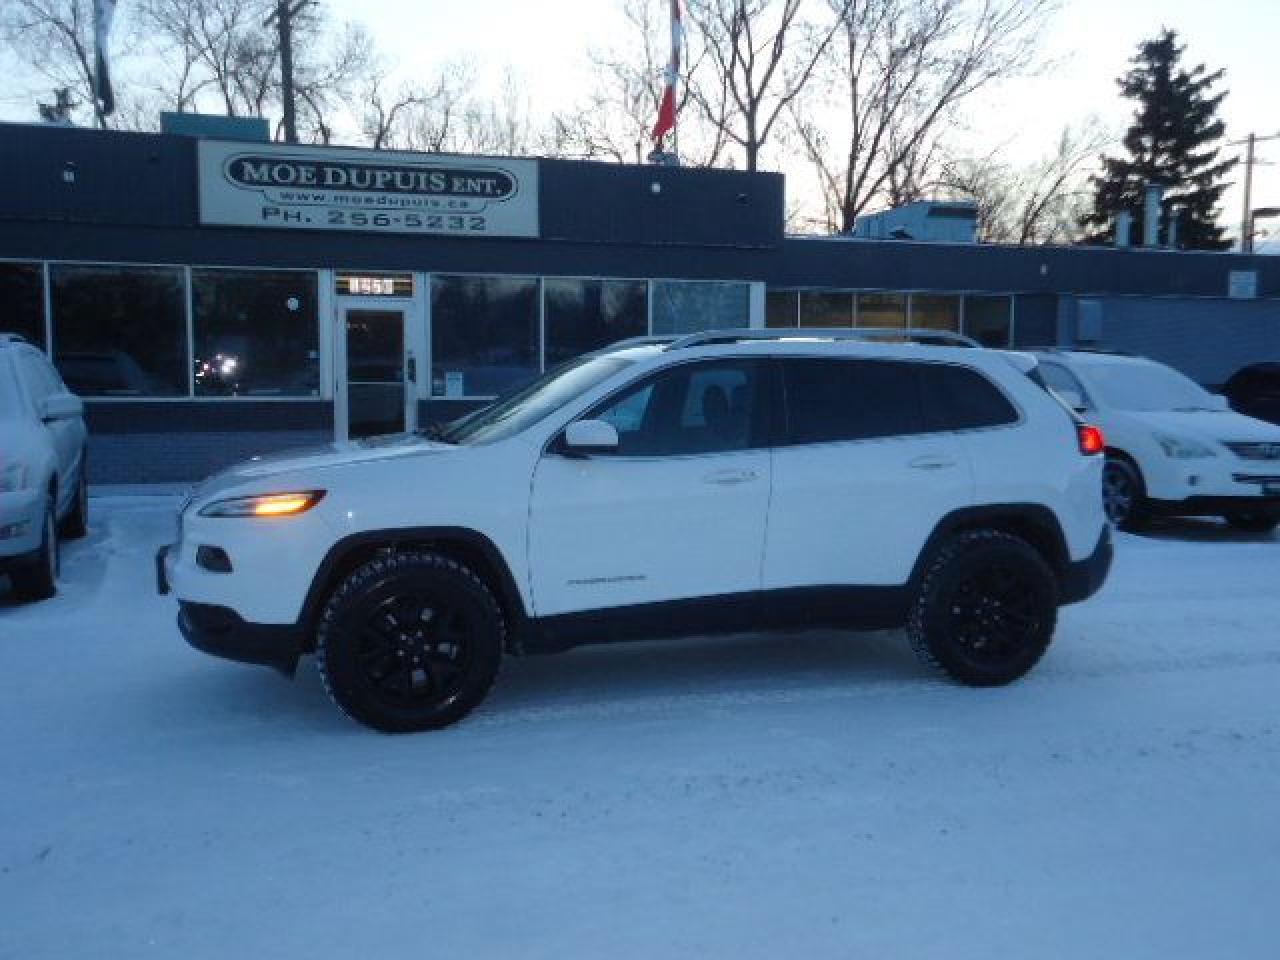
point(1091, 439)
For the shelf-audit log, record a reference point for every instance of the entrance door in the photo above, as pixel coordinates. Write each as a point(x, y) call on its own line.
point(381, 372)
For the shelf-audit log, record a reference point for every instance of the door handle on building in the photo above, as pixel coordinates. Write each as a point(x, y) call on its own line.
point(411, 369)
point(727, 478)
point(931, 462)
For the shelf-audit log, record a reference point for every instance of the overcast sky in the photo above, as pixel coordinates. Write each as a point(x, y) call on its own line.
point(1089, 41)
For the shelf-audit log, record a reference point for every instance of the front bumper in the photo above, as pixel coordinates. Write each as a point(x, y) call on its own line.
point(222, 632)
point(1084, 578)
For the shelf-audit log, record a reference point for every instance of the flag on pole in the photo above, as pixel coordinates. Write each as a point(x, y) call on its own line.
point(103, 12)
point(667, 108)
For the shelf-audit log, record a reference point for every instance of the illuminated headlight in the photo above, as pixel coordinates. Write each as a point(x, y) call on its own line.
point(14, 476)
point(264, 505)
point(1183, 448)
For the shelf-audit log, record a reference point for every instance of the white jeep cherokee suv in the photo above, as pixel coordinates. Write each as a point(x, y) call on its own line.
point(722, 482)
point(1173, 448)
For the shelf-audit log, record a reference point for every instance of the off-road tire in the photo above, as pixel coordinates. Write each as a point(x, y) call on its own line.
point(945, 644)
point(345, 647)
point(38, 580)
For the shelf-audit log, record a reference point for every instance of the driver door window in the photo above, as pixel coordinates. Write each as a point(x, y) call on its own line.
point(701, 408)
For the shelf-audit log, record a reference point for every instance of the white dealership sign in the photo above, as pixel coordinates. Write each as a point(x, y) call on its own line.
point(303, 188)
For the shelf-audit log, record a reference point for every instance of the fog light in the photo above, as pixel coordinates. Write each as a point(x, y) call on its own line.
point(213, 559)
point(12, 531)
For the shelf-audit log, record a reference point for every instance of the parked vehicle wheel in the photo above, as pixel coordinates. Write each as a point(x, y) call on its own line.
point(410, 641)
point(76, 523)
point(1124, 496)
point(38, 580)
point(986, 610)
point(1253, 521)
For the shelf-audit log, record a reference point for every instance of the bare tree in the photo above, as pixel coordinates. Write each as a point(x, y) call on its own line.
point(762, 54)
point(891, 87)
point(1038, 203)
point(613, 121)
point(55, 38)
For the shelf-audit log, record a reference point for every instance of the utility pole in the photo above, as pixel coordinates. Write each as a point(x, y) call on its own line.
point(285, 11)
point(1246, 219)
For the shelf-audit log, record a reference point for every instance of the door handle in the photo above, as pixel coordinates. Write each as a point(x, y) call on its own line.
point(931, 462)
point(727, 478)
point(412, 369)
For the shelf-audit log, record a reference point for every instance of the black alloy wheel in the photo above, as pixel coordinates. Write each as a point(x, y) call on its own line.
point(410, 641)
point(38, 580)
point(986, 609)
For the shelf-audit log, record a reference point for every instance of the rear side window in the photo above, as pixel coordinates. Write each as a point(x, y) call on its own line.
point(829, 401)
point(962, 399)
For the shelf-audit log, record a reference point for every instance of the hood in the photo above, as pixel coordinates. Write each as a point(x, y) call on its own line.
point(391, 447)
point(1220, 426)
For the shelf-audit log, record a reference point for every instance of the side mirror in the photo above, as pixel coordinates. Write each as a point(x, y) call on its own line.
point(1072, 399)
point(591, 436)
point(61, 406)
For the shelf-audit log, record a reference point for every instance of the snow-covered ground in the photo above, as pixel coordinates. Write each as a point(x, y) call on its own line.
point(810, 795)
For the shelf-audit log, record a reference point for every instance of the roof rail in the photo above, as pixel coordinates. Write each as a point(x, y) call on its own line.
point(920, 335)
point(1099, 350)
point(646, 341)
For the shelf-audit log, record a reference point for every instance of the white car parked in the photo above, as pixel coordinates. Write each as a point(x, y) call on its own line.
point(721, 482)
point(1173, 448)
point(42, 468)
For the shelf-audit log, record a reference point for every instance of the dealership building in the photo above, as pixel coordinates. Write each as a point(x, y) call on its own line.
point(214, 298)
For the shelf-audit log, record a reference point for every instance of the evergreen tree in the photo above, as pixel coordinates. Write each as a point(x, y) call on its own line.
point(1173, 142)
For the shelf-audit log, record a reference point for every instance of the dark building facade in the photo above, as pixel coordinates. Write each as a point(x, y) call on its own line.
point(213, 299)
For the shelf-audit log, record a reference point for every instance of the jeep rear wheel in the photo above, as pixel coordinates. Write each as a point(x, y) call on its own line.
point(410, 641)
point(986, 610)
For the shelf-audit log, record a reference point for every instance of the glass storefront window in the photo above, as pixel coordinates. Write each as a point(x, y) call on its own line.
point(256, 333)
point(986, 319)
point(585, 315)
point(22, 301)
point(826, 309)
point(689, 306)
point(120, 331)
point(484, 334)
point(882, 310)
point(780, 308)
point(933, 311)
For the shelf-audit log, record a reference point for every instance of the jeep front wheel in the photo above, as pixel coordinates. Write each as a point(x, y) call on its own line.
point(410, 641)
point(986, 609)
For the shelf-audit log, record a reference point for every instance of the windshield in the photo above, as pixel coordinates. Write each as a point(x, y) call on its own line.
point(1148, 387)
point(511, 415)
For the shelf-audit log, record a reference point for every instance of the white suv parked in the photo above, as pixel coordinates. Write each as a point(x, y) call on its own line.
point(1173, 448)
point(42, 468)
point(723, 482)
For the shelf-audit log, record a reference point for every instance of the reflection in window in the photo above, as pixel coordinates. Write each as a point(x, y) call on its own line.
point(256, 333)
point(585, 315)
point(120, 331)
point(484, 334)
point(933, 311)
point(882, 310)
point(986, 319)
point(780, 308)
point(826, 310)
point(22, 301)
point(687, 307)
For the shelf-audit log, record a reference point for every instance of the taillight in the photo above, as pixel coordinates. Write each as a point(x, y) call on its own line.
point(1091, 439)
